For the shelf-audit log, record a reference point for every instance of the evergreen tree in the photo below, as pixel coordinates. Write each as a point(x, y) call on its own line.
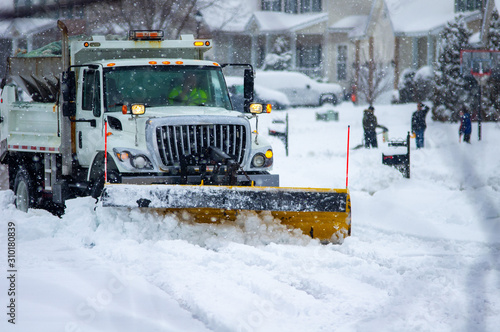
point(407, 86)
point(280, 57)
point(494, 32)
point(491, 102)
point(452, 90)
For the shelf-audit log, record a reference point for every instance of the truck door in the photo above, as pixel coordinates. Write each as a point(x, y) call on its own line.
point(89, 125)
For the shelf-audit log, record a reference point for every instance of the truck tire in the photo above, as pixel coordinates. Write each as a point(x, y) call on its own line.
point(98, 183)
point(24, 190)
point(54, 208)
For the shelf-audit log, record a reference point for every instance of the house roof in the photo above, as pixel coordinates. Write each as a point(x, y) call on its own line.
point(354, 25)
point(278, 22)
point(229, 15)
point(25, 26)
point(407, 17)
point(421, 17)
point(6, 5)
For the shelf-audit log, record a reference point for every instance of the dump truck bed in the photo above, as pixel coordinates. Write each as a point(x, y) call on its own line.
point(30, 126)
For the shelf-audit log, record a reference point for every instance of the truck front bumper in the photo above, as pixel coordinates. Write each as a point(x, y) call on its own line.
point(260, 179)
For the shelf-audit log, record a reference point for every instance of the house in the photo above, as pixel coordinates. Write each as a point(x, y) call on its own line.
point(337, 39)
point(28, 25)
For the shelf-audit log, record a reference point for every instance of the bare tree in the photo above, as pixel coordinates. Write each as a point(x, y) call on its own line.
point(172, 16)
point(372, 76)
point(373, 80)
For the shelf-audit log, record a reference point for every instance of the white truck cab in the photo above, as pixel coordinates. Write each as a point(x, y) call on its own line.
point(139, 111)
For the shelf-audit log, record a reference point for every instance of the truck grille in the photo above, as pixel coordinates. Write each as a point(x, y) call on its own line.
point(175, 141)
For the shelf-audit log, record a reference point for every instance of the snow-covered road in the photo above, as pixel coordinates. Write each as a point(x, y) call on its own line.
point(424, 254)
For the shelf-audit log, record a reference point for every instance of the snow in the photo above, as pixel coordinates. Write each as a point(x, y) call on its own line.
point(424, 73)
point(289, 80)
point(6, 5)
point(423, 255)
point(414, 16)
point(355, 25)
point(277, 21)
point(421, 17)
point(262, 92)
point(25, 26)
point(227, 15)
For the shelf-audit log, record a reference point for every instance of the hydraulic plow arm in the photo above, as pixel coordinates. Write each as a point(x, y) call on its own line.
point(321, 213)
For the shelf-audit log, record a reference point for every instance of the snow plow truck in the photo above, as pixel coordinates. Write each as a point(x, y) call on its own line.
point(147, 123)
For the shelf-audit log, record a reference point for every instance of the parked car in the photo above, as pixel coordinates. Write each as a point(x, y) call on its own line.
point(300, 89)
point(262, 94)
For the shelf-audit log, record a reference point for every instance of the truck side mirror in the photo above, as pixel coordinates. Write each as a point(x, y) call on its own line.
point(68, 92)
point(248, 82)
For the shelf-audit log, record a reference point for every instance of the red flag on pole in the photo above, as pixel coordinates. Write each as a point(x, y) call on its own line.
point(105, 151)
point(347, 167)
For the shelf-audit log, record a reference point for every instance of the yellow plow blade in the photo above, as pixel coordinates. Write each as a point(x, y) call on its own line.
point(324, 214)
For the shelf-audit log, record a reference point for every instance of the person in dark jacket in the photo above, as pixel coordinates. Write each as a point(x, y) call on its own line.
point(418, 124)
point(465, 126)
point(369, 125)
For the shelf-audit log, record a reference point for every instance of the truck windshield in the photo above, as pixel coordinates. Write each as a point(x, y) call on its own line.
point(157, 86)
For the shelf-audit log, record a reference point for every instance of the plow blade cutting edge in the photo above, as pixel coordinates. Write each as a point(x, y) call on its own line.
point(324, 214)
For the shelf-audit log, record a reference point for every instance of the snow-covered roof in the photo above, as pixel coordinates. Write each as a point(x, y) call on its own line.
point(276, 21)
point(25, 26)
point(6, 5)
point(228, 15)
point(419, 17)
point(354, 25)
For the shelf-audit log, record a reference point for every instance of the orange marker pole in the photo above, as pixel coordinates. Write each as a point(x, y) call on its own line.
point(105, 151)
point(347, 167)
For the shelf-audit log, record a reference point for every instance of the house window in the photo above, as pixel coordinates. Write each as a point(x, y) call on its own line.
point(309, 56)
point(468, 5)
point(291, 7)
point(308, 6)
point(271, 5)
point(342, 63)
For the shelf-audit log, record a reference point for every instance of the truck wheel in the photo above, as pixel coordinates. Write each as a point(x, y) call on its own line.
point(54, 208)
point(24, 190)
point(97, 187)
point(98, 183)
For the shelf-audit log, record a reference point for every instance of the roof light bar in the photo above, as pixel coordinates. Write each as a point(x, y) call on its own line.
point(146, 35)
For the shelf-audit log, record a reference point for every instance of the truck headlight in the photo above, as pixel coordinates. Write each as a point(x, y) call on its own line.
point(140, 161)
point(258, 160)
point(123, 155)
point(263, 159)
point(135, 159)
point(138, 109)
